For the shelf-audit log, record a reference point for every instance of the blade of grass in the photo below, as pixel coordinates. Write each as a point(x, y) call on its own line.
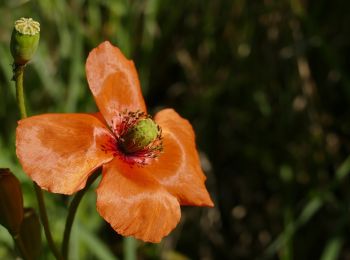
point(96, 246)
point(332, 248)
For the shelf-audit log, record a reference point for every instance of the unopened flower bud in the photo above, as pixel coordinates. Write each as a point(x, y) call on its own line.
point(11, 202)
point(24, 40)
point(140, 135)
point(31, 233)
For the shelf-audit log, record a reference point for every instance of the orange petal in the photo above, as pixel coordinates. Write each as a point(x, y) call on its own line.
point(178, 167)
point(113, 81)
point(60, 151)
point(136, 205)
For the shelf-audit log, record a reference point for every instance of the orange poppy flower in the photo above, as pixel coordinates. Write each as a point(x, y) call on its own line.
point(142, 186)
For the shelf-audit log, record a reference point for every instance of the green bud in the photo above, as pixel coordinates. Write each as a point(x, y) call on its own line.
point(31, 233)
point(24, 40)
point(11, 202)
point(140, 135)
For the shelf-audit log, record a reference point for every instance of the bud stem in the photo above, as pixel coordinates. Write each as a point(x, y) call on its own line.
point(18, 73)
point(18, 78)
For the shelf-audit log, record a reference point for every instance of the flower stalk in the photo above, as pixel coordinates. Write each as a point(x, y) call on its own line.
point(18, 78)
point(18, 75)
point(73, 207)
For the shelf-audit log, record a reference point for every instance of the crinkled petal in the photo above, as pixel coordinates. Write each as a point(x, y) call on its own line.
point(178, 167)
point(60, 151)
point(136, 205)
point(113, 81)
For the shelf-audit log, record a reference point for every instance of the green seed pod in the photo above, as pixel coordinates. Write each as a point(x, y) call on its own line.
point(31, 233)
point(24, 40)
point(11, 202)
point(140, 135)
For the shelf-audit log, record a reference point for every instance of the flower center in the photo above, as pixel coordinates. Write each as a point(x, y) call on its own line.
point(139, 138)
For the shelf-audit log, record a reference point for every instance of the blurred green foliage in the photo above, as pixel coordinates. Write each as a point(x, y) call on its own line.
point(266, 87)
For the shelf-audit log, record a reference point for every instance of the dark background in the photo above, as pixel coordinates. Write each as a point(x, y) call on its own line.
point(265, 85)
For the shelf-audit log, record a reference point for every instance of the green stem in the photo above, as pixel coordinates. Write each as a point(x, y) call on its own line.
point(18, 72)
point(20, 246)
point(73, 207)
